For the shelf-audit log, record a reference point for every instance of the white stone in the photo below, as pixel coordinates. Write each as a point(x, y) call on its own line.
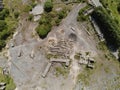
point(37, 10)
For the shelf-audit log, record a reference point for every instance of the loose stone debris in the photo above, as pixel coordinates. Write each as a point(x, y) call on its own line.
point(62, 48)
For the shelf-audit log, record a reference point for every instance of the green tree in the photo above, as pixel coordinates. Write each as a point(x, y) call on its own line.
point(48, 6)
point(108, 26)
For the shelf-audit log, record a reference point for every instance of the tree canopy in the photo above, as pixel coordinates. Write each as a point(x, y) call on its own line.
point(108, 26)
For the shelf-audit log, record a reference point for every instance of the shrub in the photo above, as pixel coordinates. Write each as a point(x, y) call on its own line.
point(58, 21)
point(2, 25)
point(48, 6)
point(5, 34)
point(2, 44)
point(61, 14)
point(4, 13)
point(43, 30)
point(16, 14)
point(45, 19)
point(28, 8)
point(82, 18)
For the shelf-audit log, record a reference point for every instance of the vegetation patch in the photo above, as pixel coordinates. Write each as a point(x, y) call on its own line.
point(9, 18)
point(62, 71)
point(81, 16)
point(48, 6)
point(108, 26)
point(48, 20)
point(84, 78)
point(112, 7)
point(102, 46)
point(8, 80)
point(29, 7)
point(44, 26)
point(5, 28)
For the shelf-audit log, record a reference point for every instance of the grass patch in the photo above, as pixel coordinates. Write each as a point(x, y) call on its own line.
point(61, 71)
point(0, 70)
point(102, 46)
point(85, 76)
point(106, 69)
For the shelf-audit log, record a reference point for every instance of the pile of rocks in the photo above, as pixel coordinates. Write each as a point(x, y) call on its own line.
point(61, 48)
